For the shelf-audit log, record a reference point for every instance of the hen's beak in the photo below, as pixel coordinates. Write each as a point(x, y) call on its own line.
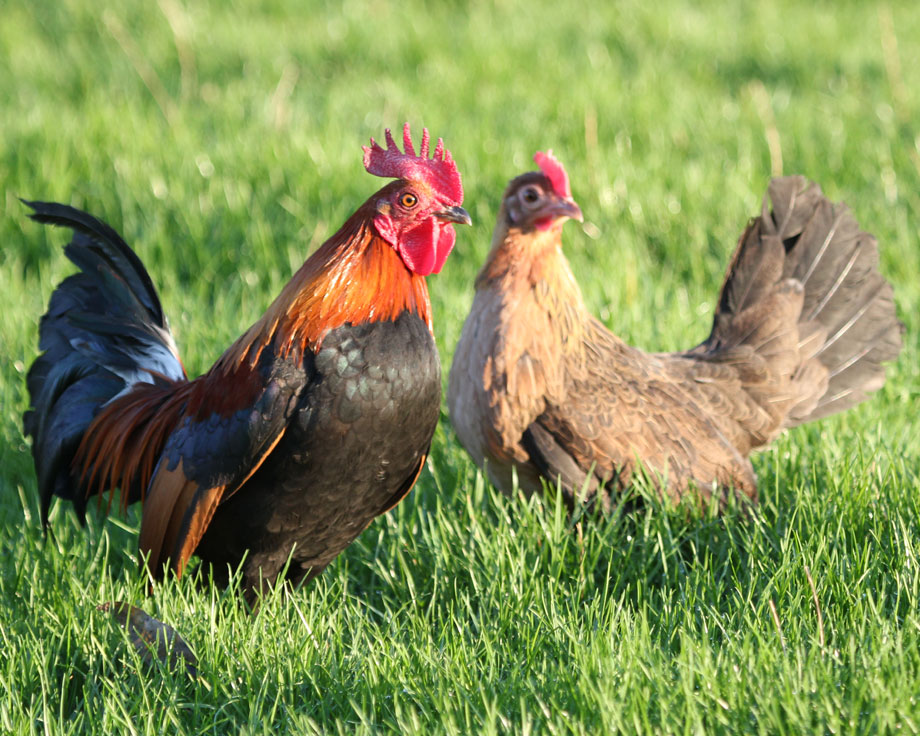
point(566, 208)
point(455, 214)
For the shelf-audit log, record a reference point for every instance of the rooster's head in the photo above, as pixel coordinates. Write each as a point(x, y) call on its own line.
point(416, 214)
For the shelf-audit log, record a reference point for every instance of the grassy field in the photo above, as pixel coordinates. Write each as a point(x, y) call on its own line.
point(223, 141)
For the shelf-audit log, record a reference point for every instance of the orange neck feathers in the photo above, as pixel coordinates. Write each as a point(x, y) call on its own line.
point(354, 277)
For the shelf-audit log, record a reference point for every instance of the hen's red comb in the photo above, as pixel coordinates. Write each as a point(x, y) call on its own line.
point(439, 171)
point(555, 172)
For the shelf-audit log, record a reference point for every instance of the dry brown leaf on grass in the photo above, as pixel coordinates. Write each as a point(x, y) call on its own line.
point(150, 637)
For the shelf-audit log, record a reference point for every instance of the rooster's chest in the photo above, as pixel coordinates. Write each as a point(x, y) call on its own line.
point(373, 401)
point(361, 429)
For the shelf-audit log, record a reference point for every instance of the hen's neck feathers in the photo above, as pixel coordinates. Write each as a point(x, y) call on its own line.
point(522, 260)
point(529, 270)
point(354, 277)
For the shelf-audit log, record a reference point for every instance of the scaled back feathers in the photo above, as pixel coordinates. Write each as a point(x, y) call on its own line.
point(439, 172)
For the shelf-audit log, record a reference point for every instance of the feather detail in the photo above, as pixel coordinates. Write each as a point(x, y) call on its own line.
point(175, 518)
point(190, 507)
point(104, 332)
point(163, 512)
point(122, 445)
point(354, 277)
point(124, 442)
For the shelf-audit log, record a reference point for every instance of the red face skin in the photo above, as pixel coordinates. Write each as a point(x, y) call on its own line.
point(416, 216)
point(419, 225)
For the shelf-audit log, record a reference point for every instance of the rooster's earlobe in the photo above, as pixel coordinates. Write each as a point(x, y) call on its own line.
point(385, 228)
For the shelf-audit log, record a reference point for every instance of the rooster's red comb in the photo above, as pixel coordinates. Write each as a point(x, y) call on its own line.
point(555, 172)
point(439, 171)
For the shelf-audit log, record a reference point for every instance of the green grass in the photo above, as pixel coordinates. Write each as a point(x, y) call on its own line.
point(223, 141)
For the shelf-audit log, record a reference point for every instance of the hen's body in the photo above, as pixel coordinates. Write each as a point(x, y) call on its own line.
point(540, 389)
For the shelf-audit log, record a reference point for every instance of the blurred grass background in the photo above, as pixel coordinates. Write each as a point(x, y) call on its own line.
point(223, 141)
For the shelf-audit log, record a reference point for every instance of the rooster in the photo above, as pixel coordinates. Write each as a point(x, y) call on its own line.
point(315, 421)
point(540, 389)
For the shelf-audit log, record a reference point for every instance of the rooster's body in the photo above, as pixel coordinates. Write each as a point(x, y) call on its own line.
point(540, 389)
point(315, 421)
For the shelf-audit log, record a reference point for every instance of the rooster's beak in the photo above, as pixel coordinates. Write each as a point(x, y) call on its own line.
point(455, 214)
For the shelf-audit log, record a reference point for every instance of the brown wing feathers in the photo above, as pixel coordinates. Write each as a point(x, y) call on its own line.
point(179, 510)
point(176, 514)
point(164, 509)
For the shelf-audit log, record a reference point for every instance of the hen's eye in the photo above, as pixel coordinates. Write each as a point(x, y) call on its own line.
point(530, 195)
point(408, 200)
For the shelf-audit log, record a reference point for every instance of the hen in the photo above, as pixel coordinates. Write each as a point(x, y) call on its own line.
point(541, 389)
point(312, 423)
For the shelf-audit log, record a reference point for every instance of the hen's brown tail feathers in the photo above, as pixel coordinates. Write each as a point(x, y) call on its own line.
point(804, 292)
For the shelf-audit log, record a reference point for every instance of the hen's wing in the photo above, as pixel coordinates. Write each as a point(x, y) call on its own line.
point(625, 410)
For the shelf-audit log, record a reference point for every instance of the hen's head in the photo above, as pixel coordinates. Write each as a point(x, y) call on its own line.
point(416, 214)
point(540, 200)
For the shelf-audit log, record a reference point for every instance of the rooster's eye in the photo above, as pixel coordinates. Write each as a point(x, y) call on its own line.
point(408, 200)
point(530, 195)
